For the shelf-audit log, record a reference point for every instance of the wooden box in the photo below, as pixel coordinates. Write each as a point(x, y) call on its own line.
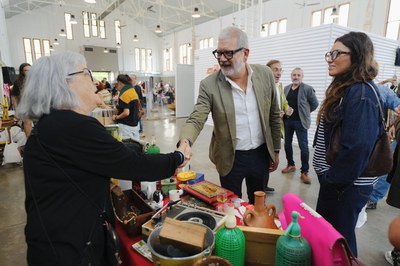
point(260, 245)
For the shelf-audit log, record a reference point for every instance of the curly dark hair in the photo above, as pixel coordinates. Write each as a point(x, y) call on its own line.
point(363, 68)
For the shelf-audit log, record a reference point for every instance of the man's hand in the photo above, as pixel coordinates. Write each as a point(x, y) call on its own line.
point(392, 132)
point(184, 147)
point(274, 165)
point(289, 111)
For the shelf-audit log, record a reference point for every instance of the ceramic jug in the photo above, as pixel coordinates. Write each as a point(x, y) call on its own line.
point(262, 216)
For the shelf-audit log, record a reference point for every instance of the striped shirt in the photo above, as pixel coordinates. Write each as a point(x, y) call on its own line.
point(319, 160)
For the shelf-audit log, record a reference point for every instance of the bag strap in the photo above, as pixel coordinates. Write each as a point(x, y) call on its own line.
point(379, 104)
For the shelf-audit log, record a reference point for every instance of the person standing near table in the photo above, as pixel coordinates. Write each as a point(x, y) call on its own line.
point(301, 97)
point(127, 115)
point(242, 100)
point(68, 161)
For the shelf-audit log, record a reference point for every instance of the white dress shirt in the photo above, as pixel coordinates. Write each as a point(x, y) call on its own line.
point(249, 133)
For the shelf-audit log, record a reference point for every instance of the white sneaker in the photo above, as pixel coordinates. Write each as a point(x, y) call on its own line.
point(388, 257)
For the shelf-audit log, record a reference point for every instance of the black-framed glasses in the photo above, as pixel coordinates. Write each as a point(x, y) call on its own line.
point(332, 55)
point(228, 54)
point(83, 71)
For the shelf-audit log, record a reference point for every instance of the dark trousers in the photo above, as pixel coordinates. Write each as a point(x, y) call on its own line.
point(292, 126)
point(252, 165)
point(341, 209)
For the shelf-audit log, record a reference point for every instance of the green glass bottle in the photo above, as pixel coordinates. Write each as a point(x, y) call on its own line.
point(291, 248)
point(153, 148)
point(230, 242)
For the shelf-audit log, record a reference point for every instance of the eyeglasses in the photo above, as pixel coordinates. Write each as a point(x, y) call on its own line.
point(332, 55)
point(278, 70)
point(228, 54)
point(83, 71)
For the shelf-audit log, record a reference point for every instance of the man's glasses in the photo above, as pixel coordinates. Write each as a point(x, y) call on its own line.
point(332, 55)
point(228, 54)
point(85, 71)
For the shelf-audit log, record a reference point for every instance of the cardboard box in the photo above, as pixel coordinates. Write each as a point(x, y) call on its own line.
point(260, 245)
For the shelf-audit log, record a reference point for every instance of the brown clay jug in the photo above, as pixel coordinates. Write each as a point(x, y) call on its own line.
point(262, 216)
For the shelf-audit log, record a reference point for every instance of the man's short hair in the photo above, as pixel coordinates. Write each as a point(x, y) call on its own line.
point(272, 62)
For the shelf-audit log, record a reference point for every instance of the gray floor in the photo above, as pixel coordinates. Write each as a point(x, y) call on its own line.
point(372, 237)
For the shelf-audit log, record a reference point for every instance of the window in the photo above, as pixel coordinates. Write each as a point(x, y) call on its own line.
point(393, 20)
point(137, 59)
point(28, 50)
point(273, 27)
point(68, 26)
point(117, 24)
point(149, 65)
point(93, 20)
point(316, 18)
point(344, 15)
point(185, 51)
point(168, 62)
point(86, 26)
point(142, 59)
point(46, 47)
point(207, 43)
point(282, 26)
point(327, 15)
point(37, 48)
point(102, 29)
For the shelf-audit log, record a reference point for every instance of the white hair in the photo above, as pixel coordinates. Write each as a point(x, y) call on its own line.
point(234, 32)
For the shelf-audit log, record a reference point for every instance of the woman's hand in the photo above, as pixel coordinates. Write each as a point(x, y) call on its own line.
point(186, 150)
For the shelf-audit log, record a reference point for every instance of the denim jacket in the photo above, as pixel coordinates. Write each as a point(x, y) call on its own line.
point(361, 124)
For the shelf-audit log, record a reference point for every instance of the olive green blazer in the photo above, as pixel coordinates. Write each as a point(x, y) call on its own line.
point(215, 96)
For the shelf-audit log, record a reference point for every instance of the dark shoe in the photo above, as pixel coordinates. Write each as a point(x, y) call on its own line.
point(289, 169)
point(371, 205)
point(305, 178)
point(269, 190)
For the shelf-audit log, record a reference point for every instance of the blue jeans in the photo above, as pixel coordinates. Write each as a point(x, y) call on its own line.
point(292, 126)
point(342, 207)
point(382, 186)
point(129, 132)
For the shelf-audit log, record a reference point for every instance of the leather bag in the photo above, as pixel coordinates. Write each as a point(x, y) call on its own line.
point(381, 159)
point(327, 245)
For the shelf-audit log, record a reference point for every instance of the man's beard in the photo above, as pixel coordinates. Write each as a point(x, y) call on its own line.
point(233, 69)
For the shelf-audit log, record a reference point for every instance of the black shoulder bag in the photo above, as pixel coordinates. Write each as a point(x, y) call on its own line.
point(112, 244)
point(381, 159)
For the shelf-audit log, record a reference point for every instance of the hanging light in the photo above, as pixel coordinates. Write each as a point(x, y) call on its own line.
point(56, 42)
point(334, 13)
point(196, 13)
point(62, 33)
point(118, 45)
point(73, 20)
point(135, 38)
point(105, 50)
point(263, 28)
point(158, 29)
point(51, 48)
point(90, 1)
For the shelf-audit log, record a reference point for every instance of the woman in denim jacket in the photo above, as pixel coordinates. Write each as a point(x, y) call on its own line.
point(343, 191)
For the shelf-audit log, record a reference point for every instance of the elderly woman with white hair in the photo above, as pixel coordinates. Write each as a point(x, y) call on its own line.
point(68, 162)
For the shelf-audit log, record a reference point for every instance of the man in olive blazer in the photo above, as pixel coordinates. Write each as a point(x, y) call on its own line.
point(219, 94)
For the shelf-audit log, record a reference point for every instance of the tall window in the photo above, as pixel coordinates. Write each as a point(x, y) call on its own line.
point(344, 15)
point(393, 20)
point(273, 28)
point(327, 15)
point(316, 18)
point(68, 26)
point(168, 62)
point(93, 20)
point(117, 24)
point(28, 50)
point(185, 51)
point(137, 59)
point(143, 59)
point(282, 26)
point(46, 47)
point(102, 29)
point(149, 59)
point(86, 26)
point(37, 48)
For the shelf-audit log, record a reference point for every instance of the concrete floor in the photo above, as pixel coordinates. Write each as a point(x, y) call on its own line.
point(372, 237)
